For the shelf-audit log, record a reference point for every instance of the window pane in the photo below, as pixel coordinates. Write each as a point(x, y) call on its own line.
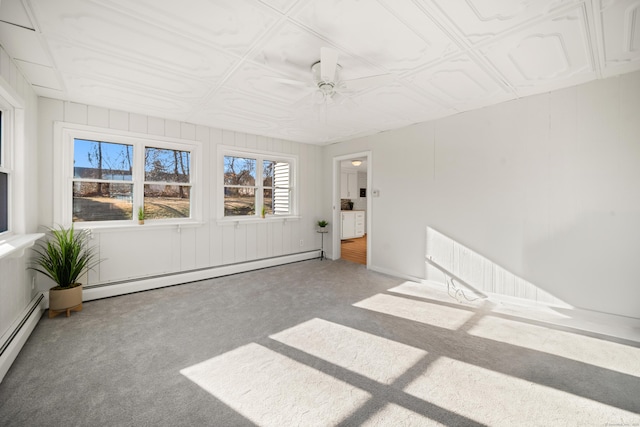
point(100, 201)
point(102, 160)
point(267, 174)
point(239, 171)
point(4, 202)
point(162, 165)
point(167, 201)
point(239, 201)
point(267, 199)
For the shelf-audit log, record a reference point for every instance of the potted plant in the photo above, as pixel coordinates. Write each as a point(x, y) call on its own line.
point(141, 215)
point(322, 223)
point(264, 211)
point(63, 257)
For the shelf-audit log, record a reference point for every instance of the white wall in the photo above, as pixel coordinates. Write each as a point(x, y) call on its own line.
point(132, 253)
point(546, 187)
point(15, 280)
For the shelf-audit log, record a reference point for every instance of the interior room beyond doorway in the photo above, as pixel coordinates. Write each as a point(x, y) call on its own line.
point(353, 209)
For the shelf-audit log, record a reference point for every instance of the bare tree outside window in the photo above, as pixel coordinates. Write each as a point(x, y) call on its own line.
point(167, 188)
point(249, 189)
point(103, 181)
point(240, 186)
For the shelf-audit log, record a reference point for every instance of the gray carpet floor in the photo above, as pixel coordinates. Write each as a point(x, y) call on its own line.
point(315, 343)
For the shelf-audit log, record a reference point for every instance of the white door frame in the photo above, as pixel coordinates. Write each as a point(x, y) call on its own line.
point(337, 220)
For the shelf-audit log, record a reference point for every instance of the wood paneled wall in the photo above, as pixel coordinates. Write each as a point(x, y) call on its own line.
point(132, 253)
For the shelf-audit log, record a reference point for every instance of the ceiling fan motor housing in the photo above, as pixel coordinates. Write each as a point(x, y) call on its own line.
point(325, 85)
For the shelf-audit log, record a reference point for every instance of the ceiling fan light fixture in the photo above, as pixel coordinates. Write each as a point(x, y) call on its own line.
point(356, 162)
point(318, 97)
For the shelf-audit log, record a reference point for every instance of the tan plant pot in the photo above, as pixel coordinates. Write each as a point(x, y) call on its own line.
point(65, 300)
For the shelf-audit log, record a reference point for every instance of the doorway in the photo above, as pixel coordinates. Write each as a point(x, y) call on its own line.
point(352, 208)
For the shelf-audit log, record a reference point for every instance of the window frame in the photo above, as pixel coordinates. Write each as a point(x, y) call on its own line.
point(260, 156)
point(6, 160)
point(65, 135)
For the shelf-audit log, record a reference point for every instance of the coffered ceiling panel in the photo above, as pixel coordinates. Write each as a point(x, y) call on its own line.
point(234, 25)
point(114, 33)
point(620, 21)
point(402, 103)
point(117, 96)
point(283, 51)
point(461, 83)
point(14, 11)
point(136, 75)
point(24, 44)
point(482, 20)
point(246, 65)
point(40, 75)
point(347, 23)
point(549, 54)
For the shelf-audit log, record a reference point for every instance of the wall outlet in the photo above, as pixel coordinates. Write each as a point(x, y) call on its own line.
point(33, 282)
point(301, 242)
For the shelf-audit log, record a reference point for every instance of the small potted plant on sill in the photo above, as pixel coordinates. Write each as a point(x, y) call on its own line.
point(263, 213)
point(140, 215)
point(63, 257)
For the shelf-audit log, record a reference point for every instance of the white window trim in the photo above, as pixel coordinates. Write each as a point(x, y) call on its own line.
point(228, 150)
point(64, 135)
point(15, 240)
point(12, 107)
point(6, 165)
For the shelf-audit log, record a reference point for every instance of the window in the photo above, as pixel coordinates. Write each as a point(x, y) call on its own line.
point(115, 173)
point(4, 176)
point(256, 181)
point(167, 183)
point(102, 181)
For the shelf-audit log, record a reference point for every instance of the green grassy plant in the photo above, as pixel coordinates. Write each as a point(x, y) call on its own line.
point(64, 256)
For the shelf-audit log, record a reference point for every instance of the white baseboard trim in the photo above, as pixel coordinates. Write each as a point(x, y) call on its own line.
point(612, 325)
point(19, 332)
point(396, 274)
point(144, 284)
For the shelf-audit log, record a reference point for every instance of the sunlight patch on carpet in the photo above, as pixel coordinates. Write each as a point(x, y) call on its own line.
point(494, 398)
point(273, 390)
point(418, 311)
point(372, 356)
point(395, 415)
point(605, 354)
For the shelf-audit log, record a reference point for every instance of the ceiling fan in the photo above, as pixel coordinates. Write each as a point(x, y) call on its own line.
point(327, 86)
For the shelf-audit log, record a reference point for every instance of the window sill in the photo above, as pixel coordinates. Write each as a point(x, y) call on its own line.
point(14, 246)
point(254, 220)
point(135, 226)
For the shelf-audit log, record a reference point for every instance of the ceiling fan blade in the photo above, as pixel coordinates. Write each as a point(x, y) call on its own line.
point(366, 82)
point(343, 101)
point(304, 101)
point(292, 82)
point(328, 64)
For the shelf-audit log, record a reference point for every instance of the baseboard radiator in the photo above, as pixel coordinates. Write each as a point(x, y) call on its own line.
point(107, 290)
point(13, 340)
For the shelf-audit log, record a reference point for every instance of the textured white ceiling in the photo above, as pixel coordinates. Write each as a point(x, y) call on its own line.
point(221, 62)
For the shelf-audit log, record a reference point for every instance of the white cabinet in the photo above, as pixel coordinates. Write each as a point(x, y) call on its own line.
point(359, 223)
point(348, 185)
point(352, 224)
point(348, 225)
